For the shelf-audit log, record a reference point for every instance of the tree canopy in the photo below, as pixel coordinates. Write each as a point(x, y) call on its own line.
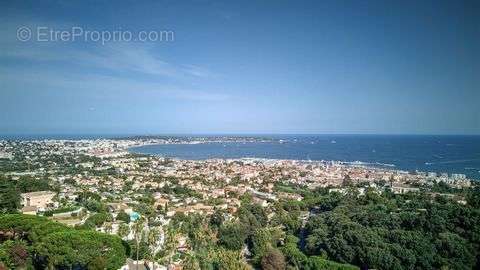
point(53, 244)
point(395, 232)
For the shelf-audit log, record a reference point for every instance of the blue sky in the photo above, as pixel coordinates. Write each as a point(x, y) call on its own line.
point(401, 67)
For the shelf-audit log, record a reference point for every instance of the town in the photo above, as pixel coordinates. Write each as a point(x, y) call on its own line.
point(99, 185)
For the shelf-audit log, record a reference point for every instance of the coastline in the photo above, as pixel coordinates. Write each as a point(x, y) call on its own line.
point(354, 163)
point(104, 147)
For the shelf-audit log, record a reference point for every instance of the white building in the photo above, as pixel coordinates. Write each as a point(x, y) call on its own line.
point(39, 199)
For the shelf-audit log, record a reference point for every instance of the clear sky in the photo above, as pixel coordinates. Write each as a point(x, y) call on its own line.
point(402, 67)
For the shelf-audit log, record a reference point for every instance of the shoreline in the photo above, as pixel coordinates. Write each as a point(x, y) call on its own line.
point(385, 167)
point(103, 147)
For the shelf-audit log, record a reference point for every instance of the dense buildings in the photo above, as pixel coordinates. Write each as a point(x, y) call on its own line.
point(149, 201)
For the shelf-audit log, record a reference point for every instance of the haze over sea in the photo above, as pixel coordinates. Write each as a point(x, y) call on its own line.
point(428, 153)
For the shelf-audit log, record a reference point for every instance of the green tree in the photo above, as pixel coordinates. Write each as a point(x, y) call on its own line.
point(318, 263)
point(81, 248)
point(224, 259)
point(293, 255)
point(347, 181)
point(273, 260)
point(123, 217)
point(56, 245)
point(9, 197)
point(252, 216)
point(14, 254)
point(232, 236)
point(261, 243)
point(217, 218)
point(123, 230)
point(454, 252)
point(138, 232)
point(98, 263)
point(152, 239)
point(190, 262)
point(170, 245)
point(97, 220)
point(108, 227)
point(473, 195)
point(5, 260)
point(95, 206)
point(29, 184)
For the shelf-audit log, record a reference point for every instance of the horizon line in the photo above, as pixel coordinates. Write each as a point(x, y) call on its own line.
point(120, 134)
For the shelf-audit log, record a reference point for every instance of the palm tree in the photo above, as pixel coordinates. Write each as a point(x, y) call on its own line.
point(138, 230)
point(190, 262)
point(108, 227)
point(170, 245)
point(153, 236)
point(123, 230)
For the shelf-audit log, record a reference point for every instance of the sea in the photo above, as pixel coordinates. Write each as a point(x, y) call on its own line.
point(425, 153)
point(452, 154)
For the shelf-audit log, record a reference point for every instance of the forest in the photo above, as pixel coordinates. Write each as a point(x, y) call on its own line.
point(36, 242)
point(325, 230)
